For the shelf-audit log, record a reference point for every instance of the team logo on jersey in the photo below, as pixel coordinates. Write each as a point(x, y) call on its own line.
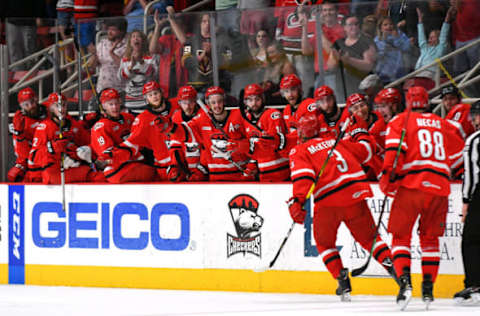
point(244, 211)
point(275, 115)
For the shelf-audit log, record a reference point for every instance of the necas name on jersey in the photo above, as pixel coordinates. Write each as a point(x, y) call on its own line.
point(424, 122)
point(320, 146)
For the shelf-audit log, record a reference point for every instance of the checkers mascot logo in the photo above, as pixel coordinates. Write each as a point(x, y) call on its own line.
point(243, 209)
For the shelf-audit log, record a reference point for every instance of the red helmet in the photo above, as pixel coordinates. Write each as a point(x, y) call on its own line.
point(150, 86)
point(417, 97)
point(26, 94)
point(186, 92)
point(290, 81)
point(388, 95)
point(109, 94)
point(354, 99)
point(323, 91)
point(55, 97)
point(307, 126)
point(252, 89)
point(214, 90)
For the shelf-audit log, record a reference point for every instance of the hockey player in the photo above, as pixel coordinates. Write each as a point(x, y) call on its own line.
point(342, 177)
point(186, 139)
point(388, 102)
point(471, 215)
point(327, 105)
point(457, 111)
point(107, 135)
point(223, 139)
point(291, 90)
point(357, 104)
point(265, 129)
point(150, 129)
point(23, 127)
point(60, 140)
point(430, 148)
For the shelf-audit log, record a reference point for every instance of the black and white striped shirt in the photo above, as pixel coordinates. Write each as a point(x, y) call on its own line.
point(471, 160)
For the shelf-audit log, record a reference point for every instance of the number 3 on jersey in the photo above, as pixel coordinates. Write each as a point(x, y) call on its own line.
point(431, 143)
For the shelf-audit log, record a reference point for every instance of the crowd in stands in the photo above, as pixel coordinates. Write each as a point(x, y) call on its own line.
point(148, 84)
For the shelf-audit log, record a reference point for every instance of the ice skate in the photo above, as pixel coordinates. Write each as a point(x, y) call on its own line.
point(405, 292)
point(344, 287)
point(468, 296)
point(427, 290)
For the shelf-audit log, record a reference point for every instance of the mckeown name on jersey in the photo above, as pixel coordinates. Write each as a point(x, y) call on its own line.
point(428, 123)
point(322, 145)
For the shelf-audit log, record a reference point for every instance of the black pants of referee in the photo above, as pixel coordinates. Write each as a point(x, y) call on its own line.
point(471, 243)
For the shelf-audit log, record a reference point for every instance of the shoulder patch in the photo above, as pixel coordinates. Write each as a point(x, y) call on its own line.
point(97, 126)
point(41, 126)
point(312, 107)
point(275, 115)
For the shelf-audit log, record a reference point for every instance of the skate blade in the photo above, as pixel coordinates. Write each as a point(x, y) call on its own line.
point(403, 303)
point(345, 297)
point(427, 304)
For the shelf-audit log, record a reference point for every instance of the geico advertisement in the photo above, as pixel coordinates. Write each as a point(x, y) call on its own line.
point(3, 224)
point(135, 225)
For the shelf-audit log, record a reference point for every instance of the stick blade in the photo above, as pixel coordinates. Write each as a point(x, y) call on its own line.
point(359, 271)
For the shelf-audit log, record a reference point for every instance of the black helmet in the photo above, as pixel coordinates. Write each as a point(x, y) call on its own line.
point(475, 108)
point(450, 89)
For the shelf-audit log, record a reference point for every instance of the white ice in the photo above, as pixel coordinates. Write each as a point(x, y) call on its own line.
point(18, 300)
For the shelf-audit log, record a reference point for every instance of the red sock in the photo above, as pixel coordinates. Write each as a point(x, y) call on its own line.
point(430, 257)
point(332, 260)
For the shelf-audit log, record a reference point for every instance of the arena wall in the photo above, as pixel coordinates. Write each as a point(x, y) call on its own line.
point(186, 236)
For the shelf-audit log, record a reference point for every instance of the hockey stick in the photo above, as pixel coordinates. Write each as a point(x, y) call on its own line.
point(309, 194)
point(62, 157)
point(212, 119)
point(360, 270)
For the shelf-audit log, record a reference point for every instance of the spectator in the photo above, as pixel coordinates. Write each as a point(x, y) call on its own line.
point(465, 30)
point(392, 44)
point(435, 46)
point(259, 54)
point(23, 17)
point(136, 69)
point(295, 21)
point(109, 52)
point(369, 26)
point(253, 20)
point(355, 56)
point(134, 11)
point(172, 74)
point(227, 14)
point(85, 9)
point(331, 32)
point(278, 67)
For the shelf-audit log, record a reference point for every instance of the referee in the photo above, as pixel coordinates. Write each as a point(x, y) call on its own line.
point(471, 214)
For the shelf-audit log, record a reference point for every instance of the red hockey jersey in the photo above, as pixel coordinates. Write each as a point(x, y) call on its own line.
point(431, 147)
point(23, 129)
point(343, 181)
point(42, 154)
point(271, 165)
point(215, 145)
point(460, 113)
point(107, 135)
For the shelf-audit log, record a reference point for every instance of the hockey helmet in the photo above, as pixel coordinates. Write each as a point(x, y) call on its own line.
point(186, 92)
point(252, 89)
point(109, 94)
point(417, 97)
point(450, 89)
point(150, 86)
point(25, 95)
point(354, 99)
point(475, 108)
point(388, 95)
point(323, 91)
point(290, 81)
point(214, 90)
point(55, 97)
point(307, 126)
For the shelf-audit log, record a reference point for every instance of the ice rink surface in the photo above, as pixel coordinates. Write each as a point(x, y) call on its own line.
point(19, 300)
